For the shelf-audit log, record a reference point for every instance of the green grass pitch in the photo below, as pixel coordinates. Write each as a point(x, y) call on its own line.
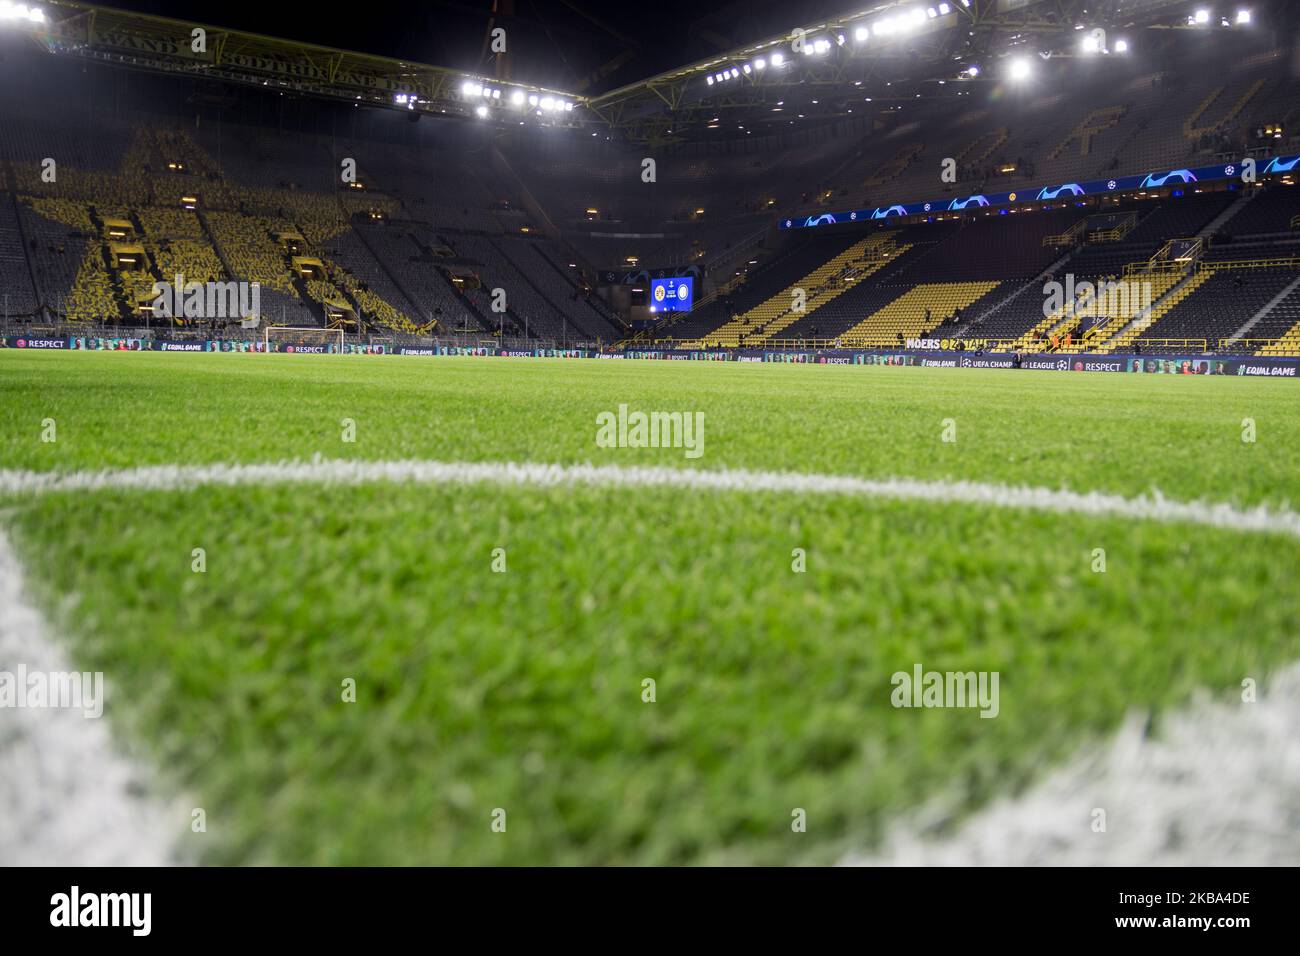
point(522, 690)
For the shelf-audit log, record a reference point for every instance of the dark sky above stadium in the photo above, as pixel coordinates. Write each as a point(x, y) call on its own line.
point(583, 46)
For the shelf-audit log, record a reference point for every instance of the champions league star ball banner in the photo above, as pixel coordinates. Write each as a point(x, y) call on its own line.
point(1051, 193)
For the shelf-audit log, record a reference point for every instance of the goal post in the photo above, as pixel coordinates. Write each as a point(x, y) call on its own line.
point(293, 338)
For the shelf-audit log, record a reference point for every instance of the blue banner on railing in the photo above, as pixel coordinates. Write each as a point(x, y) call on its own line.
point(1051, 193)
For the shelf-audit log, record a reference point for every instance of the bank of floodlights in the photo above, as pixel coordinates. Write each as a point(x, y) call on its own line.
point(20, 13)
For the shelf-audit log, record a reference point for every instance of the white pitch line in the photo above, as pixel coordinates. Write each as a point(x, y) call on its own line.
point(1218, 785)
point(1154, 507)
point(66, 797)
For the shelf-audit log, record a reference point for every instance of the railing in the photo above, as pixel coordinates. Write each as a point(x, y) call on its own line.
point(1190, 345)
point(1154, 267)
point(1295, 222)
point(1116, 233)
point(743, 245)
point(1248, 345)
point(798, 344)
point(1103, 330)
point(1069, 237)
point(719, 290)
point(1283, 262)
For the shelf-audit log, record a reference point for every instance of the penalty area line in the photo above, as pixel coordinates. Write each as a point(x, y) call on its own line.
point(1152, 507)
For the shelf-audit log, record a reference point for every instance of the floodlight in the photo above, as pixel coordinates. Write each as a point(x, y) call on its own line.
point(1121, 46)
point(1020, 69)
point(1243, 17)
point(1202, 16)
point(482, 111)
point(861, 34)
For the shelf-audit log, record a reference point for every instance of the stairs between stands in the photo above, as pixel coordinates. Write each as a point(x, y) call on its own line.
point(1232, 209)
point(1244, 331)
point(11, 184)
point(1125, 334)
point(216, 246)
point(964, 330)
point(425, 314)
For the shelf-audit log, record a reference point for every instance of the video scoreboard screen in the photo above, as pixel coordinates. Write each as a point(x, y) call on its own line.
point(672, 295)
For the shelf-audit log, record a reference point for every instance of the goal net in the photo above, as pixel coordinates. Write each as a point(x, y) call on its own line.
point(289, 338)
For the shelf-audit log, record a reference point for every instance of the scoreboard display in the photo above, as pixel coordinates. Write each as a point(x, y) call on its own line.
point(672, 295)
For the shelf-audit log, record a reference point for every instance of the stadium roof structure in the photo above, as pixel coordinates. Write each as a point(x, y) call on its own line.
point(163, 44)
point(900, 49)
point(895, 50)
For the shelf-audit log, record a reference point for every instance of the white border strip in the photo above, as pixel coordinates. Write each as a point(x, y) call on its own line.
point(1154, 507)
point(1218, 785)
point(67, 798)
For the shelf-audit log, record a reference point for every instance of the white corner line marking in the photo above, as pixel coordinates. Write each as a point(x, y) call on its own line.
point(69, 798)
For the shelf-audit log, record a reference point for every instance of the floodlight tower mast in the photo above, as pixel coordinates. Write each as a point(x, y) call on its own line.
point(502, 11)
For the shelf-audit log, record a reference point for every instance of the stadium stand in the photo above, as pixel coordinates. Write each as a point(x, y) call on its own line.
point(19, 297)
point(441, 214)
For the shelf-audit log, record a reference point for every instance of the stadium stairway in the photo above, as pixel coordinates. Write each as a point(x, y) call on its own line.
point(906, 315)
point(697, 328)
point(1233, 289)
point(1284, 315)
point(1007, 317)
point(424, 313)
point(1263, 314)
point(858, 262)
point(17, 276)
point(212, 238)
point(1229, 213)
point(1168, 292)
point(1054, 325)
